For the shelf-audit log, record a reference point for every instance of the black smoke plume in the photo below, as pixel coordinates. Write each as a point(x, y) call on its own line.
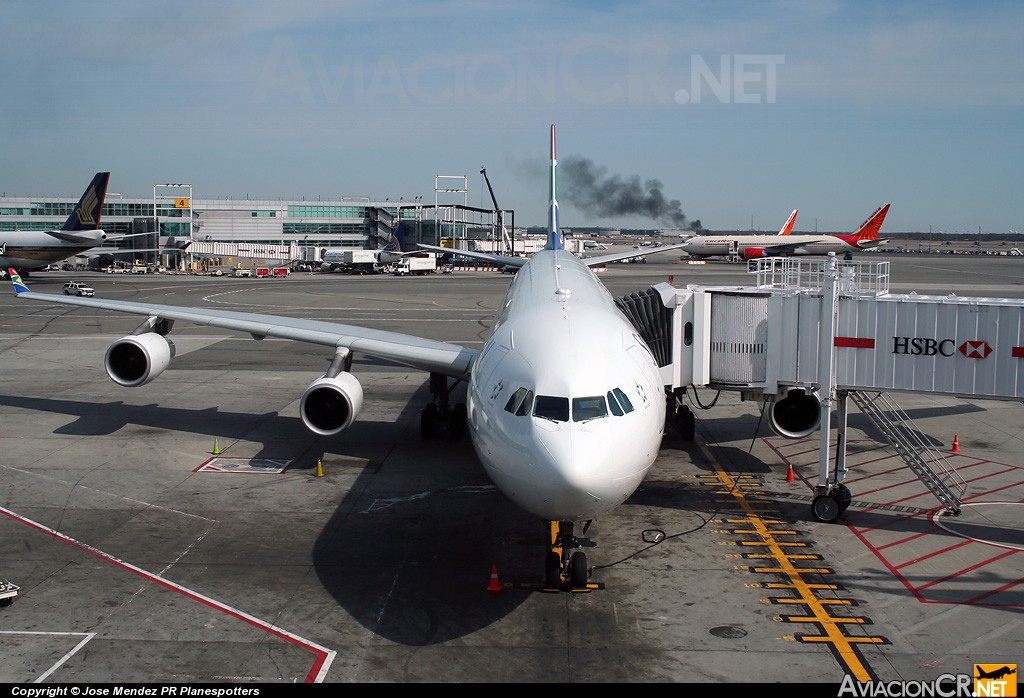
point(589, 188)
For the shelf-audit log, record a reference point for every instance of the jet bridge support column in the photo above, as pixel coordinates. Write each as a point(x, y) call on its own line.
point(831, 497)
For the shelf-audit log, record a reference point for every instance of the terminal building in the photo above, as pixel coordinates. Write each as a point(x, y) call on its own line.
point(176, 230)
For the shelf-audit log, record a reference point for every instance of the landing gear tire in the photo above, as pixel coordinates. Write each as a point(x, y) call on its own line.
point(578, 573)
point(553, 571)
point(825, 508)
point(685, 422)
point(842, 496)
point(428, 421)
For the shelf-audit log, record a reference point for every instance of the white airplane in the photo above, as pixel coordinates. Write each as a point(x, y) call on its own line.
point(785, 244)
point(26, 250)
point(337, 258)
point(565, 405)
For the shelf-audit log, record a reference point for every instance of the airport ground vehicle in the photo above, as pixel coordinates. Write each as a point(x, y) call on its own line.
point(240, 272)
point(415, 265)
point(74, 288)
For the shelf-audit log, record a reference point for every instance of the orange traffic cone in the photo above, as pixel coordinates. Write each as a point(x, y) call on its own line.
point(495, 585)
point(956, 444)
point(790, 476)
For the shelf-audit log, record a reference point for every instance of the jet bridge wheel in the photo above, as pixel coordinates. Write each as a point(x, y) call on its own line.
point(826, 508)
point(842, 496)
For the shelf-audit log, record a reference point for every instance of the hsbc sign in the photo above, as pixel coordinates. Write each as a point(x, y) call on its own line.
point(929, 346)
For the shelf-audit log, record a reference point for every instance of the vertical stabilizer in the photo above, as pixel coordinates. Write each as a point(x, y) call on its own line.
point(788, 228)
point(554, 236)
point(869, 229)
point(86, 215)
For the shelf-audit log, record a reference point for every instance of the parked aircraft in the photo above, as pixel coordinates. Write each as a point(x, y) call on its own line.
point(744, 247)
point(564, 405)
point(337, 258)
point(28, 250)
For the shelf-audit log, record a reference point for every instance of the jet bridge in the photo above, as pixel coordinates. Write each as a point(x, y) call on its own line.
point(811, 334)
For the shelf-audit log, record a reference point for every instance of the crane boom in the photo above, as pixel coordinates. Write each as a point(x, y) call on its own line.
point(498, 212)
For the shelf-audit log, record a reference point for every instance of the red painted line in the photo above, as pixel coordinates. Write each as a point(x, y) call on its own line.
point(1009, 585)
point(940, 551)
point(1017, 352)
point(323, 655)
point(855, 342)
point(972, 568)
point(922, 534)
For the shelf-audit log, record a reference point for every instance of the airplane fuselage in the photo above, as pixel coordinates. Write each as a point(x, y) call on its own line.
point(566, 406)
point(771, 245)
point(31, 249)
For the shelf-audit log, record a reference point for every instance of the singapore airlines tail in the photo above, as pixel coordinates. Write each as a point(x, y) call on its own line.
point(84, 221)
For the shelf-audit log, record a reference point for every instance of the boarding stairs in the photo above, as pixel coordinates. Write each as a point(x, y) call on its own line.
point(929, 465)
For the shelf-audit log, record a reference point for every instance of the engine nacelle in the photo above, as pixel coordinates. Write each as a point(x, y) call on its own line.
point(138, 358)
point(795, 416)
point(330, 405)
point(753, 253)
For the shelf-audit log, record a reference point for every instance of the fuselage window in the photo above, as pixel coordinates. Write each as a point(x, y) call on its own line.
point(627, 406)
point(614, 406)
point(584, 408)
point(550, 407)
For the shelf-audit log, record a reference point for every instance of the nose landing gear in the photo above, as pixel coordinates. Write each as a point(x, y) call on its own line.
point(565, 567)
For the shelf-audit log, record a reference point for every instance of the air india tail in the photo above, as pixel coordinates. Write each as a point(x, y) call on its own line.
point(788, 228)
point(869, 229)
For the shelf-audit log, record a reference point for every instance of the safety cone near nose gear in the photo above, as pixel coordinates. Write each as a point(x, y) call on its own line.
point(790, 475)
point(495, 585)
point(319, 468)
point(216, 448)
point(956, 444)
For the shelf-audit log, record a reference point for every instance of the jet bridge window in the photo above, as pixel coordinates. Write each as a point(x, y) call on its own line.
point(554, 408)
point(585, 408)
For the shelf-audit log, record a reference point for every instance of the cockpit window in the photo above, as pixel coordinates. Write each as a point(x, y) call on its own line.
point(515, 400)
point(525, 405)
point(614, 406)
point(584, 408)
point(620, 396)
point(550, 407)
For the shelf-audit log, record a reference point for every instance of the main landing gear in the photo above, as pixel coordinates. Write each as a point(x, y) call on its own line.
point(679, 416)
point(565, 567)
point(440, 413)
point(830, 503)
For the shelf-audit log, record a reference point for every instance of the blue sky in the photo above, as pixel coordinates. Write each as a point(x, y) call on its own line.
point(737, 111)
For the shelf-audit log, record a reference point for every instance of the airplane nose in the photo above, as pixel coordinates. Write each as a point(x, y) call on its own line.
point(589, 474)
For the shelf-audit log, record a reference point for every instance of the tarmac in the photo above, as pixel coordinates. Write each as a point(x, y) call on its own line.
point(193, 531)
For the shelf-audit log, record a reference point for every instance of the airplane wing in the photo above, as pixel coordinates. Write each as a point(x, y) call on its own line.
point(484, 256)
point(76, 238)
point(601, 260)
point(598, 261)
point(416, 352)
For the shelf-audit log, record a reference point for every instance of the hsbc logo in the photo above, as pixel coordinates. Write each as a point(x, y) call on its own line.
point(974, 349)
point(929, 346)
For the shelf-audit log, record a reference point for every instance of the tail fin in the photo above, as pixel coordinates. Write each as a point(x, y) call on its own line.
point(86, 215)
point(554, 236)
point(869, 228)
point(19, 285)
point(395, 244)
point(788, 228)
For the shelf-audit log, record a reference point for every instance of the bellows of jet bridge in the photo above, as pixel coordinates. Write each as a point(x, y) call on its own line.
point(811, 333)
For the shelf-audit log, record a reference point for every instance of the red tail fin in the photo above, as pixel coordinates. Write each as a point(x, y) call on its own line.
point(788, 228)
point(869, 228)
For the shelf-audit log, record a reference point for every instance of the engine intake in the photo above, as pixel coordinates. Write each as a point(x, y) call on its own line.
point(138, 358)
point(753, 253)
point(331, 404)
point(795, 416)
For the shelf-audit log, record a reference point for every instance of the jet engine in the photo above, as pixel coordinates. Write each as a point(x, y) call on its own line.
point(331, 404)
point(796, 415)
point(753, 253)
point(138, 358)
